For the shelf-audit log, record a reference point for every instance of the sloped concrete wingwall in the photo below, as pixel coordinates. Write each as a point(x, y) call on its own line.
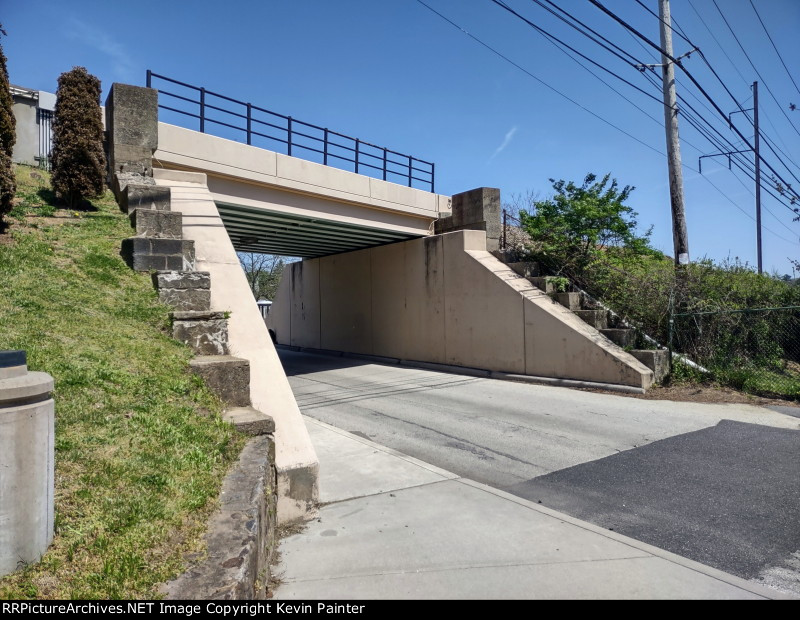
point(443, 299)
point(295, 458)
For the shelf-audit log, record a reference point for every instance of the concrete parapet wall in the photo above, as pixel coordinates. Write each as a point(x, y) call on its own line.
point(251, 176)
point(443, 299)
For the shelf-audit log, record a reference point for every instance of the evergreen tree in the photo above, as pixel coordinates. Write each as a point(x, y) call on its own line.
point(8, 137)
point(79, 163)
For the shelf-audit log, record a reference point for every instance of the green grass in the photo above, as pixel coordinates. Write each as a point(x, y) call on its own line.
point(762, 381)
point(140, 448)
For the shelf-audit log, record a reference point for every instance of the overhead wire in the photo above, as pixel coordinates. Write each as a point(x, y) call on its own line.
point(761, 21)
point(554, 41)
point(746, 55)
point(694, 81)
point(538, 79)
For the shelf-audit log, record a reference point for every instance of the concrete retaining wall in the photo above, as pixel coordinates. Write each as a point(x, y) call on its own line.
point(241, 534)
point(443, 299)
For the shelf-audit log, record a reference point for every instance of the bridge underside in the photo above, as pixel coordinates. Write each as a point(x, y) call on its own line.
point(255, 229)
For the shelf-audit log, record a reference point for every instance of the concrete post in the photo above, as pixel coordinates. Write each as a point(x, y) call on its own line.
point(477, 209)
point(132, 129)
point(26, 462)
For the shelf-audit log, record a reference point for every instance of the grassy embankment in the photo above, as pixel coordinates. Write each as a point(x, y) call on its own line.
point(140, 448)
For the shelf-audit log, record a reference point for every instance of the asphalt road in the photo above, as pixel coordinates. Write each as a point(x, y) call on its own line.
point(719, 484)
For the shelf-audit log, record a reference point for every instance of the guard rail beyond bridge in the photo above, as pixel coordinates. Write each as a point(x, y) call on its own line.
point(234, 119)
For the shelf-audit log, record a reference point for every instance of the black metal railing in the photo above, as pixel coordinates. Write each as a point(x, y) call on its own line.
point(44, 120)
point(297, 138)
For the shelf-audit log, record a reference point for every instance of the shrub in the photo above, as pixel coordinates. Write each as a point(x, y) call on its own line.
point(580, 222)
point(8, 137)
point(79, 162)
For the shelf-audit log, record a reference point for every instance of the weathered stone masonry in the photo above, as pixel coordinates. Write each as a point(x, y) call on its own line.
point(241, 535)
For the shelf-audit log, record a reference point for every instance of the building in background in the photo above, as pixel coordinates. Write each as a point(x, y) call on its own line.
point(33, 110)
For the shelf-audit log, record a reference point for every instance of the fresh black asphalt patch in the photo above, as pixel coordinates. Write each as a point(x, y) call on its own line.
point(727, 496)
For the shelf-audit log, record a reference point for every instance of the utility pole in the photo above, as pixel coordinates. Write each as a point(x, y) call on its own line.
point(680, 237)
point(758, 174)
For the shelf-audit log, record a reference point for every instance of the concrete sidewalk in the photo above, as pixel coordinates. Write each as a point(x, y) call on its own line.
point(393, 527)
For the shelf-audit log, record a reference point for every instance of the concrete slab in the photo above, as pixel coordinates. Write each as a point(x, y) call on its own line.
point(356, 467)
point(459, 539)
point(635, 578)
point(454, 539)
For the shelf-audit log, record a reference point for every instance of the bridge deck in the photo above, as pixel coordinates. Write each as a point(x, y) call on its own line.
point(278, 204)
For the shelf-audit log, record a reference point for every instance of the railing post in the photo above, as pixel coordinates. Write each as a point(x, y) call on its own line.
point(149, 78)
point(325, 148)
point(357, 148)
point(249, 123)
point(384, 164)
point(289, 136)
point(433, 171)
point(202, 110)
point(409, 170)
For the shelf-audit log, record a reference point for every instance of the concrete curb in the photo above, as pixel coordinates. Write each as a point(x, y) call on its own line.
point(471, 372)
point(241, 533)
point(447, 475)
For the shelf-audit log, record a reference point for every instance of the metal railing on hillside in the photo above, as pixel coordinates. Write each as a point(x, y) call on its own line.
point(294, 137)
point(44, 120)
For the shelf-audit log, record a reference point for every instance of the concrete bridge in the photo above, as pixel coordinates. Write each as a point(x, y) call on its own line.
point(277, 204)
point(388, 271)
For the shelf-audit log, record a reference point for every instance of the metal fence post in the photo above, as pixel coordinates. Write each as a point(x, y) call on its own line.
point(325, 148)
point(149, 78)
point(433, 170)
point(384, 164)
point(358, 142)
point(249, 123)
point(289, 136)
point(409, 170)
point(202, 110)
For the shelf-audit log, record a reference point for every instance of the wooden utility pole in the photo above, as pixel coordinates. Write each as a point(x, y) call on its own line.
point(680, 237)
point(758, 174)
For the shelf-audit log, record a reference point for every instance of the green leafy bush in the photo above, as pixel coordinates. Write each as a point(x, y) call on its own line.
point(79, 163)
point(581, 222)
point(8, 137)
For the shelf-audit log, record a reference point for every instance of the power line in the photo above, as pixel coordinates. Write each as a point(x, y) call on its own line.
point(746, 55)
point(734, 65)
point(552, 37)
point(773, 46)
point(553, 42)
point(713, 36)
point(708, 136)
point(729, 199)
point(541, 81)
point(695, 82)
point(742, 110)
point(519, 67)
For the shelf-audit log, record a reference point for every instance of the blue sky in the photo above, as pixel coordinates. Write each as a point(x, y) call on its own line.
point(395, 74)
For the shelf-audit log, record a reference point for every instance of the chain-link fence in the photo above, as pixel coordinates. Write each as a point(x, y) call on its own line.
point(754, 350)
